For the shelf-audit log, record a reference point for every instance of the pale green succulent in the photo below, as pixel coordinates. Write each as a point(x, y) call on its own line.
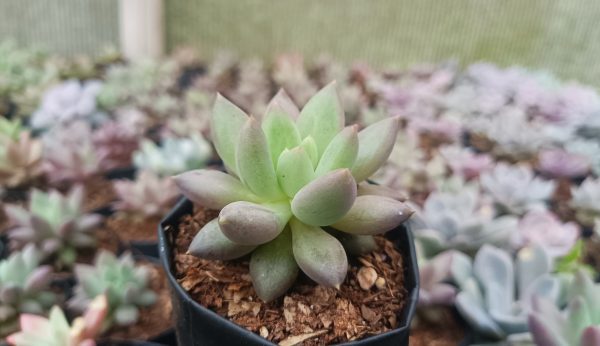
point(577, 325)
point(55, 223)
point(11, 129)
point(125, 284)
point(290, 174)
point(174, 156)
point(24, 288)
point(56, 331)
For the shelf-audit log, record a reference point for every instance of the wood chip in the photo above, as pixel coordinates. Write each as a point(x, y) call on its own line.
point(366, 277)
point(296, 339)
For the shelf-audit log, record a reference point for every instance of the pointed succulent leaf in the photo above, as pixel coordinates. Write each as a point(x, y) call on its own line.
point(322, 117)
point(212, 189)
point(310, 147)
point(294, 170)
point(542, 333)
point(210, 243)
point(577, 316)
point(326, 199)
point(375, 143)
point(126, 315)
point(280, 130)
point(340, 153)
point(373, 215)
point(590, 336)
point(318, 254)
point(283, 101)
point(354, 244)
point(366, 188)
point(226, 122)
point(476, 316)
point(531, 263)
point(495, 270)
point(39, 279)
point(254, 162)
point(248, 223)
point(273, 267)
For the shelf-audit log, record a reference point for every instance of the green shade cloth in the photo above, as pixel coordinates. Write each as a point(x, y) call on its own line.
point(560, 36)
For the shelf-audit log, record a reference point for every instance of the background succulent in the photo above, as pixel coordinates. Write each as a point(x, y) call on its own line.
point(516, 189)
point(173, 156)
point(114, 144)
point(69, 153)
point(144, 84)
point(438, 276)
point(461, 220)
point(55, 223)
point(298, 171)
point(123, 282)
point(68, 101)
point(20, 159)
point(10, 129)
point(579, 324)
point(56, 331)
point(496, 300)
point(586, 201)
point(559, 163)
point(24, 75)
point(24, 288)
point(465, 162)
point(148, 195)
point(543, 228)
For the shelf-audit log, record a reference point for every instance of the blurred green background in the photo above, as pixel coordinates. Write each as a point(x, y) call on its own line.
point(559, 36)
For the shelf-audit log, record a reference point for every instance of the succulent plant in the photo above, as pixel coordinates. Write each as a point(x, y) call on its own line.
point(53, 222)
point(588, 149)
point(56, 331)
point(298, 171)
point(175, 155)
point(115, 144)
point(69, 153)
point(289, 72)
point(543, 228)
point(24, 287)
point(68, 101)
point(24, 75)
point(144, 84)
point(559, 163)
point(123, 282)
point(578, 324)
point(496, 300)
point(148, 195)
point(465, 162)
point(461, 220)
point(512, 134)
point(10, 129)
point(438, 275)
point(253, 87)
point(20, 160)
point(586, 201)
point(515, 189)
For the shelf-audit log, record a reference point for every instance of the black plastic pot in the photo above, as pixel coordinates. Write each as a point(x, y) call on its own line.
point(197, 325)
point(3, 246)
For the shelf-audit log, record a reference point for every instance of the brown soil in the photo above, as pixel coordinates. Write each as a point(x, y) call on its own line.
point(591, 252)
point(445, 331)
point(154, 320)
point(561, 199)
point(105, 239)
point(309, 313)
point(99, 192)
point(130, 229)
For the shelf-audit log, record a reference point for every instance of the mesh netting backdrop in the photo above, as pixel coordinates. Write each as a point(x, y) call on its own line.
point(560, 36)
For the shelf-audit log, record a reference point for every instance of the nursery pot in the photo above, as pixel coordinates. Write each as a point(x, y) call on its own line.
point(197, 325)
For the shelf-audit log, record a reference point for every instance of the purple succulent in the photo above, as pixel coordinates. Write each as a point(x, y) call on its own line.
point(559, 163)
point(114, 145)
point(465, 162)
point(543, 228)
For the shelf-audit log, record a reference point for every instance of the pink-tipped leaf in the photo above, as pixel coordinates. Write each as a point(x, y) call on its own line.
point(375, 143)
point(373, 215)
point(248, 223)
point(210, 243)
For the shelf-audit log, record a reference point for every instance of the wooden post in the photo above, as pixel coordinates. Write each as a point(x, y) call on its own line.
point(142, 29)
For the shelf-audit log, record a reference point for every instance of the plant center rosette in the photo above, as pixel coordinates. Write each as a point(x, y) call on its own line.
point(293, 178)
